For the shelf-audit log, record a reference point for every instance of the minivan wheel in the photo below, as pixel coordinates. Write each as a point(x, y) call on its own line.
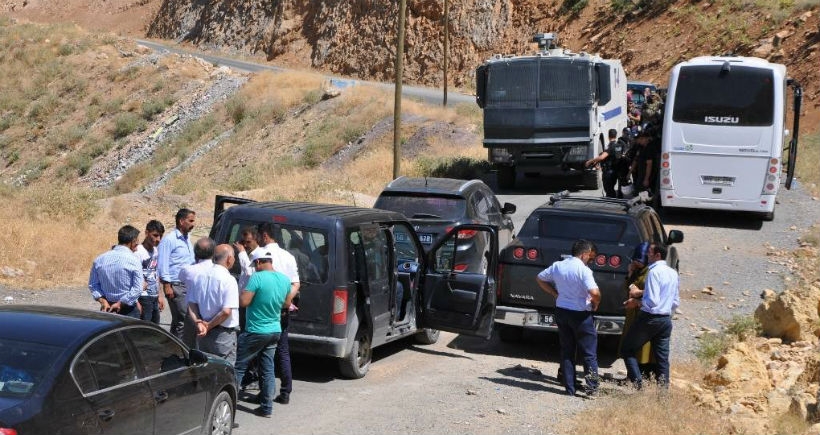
point(427, 336)
point(220, 419)
point(356, 364)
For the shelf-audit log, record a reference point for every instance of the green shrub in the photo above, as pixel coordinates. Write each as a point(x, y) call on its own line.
point(711, 346)
point(127, 123)
point(741, 328)
point(153, 107)
point(465, 168)
point(237, 108)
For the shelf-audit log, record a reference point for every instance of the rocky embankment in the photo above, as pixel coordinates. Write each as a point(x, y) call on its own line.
point(763, 377)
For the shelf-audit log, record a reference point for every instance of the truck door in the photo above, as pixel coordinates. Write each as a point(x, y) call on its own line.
point(461, 301)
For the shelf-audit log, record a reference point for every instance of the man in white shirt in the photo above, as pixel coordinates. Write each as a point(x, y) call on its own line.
point(151, 299)
point(215, 307)
point(658, 301)
point(284, 262)
point(576, 294)
point(247, 247)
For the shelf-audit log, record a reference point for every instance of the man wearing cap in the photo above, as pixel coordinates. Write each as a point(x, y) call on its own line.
point(266, 294)
point(214, 307)
point(576, 294)
point(116, 280)
point(285, 262)
point(658, 301)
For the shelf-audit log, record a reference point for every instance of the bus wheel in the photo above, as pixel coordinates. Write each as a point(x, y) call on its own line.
point(768, 217)
point(506, 177)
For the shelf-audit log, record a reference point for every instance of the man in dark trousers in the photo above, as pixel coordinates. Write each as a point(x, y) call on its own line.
point(116, 280)
point(174, 252)
point(576, 294)
point(657, 301)
point(610, 160)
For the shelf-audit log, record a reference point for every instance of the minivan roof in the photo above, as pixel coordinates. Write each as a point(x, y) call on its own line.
point(264, 212)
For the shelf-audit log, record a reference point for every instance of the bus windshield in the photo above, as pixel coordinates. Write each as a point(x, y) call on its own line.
point(741, 96)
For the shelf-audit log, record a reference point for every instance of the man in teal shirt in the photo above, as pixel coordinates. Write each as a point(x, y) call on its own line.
point(266, 293)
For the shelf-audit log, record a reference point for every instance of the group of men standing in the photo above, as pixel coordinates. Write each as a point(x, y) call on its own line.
point(207, 304)
point(577, 296)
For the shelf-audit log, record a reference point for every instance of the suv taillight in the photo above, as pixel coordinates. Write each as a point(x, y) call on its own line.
point(466, 234)
point(7, 431)
point(339, 315)
point(600, 260)
point(532, 254)
point(518, 253)
point(615, 261)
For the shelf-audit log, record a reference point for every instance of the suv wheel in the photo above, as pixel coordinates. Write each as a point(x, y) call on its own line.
point(510, 334)
point(427, 336)
point(506, 177)
point(356, 364)
point(590, 180)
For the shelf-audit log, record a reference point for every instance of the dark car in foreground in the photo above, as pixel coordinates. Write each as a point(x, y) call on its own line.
point(70, 371)
point(436, 205)
point(616, 226)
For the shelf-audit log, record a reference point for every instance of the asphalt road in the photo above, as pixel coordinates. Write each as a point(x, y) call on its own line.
point(428, 95)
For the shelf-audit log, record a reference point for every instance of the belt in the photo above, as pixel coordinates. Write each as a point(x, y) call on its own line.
point(654, 315)
point(225, 328)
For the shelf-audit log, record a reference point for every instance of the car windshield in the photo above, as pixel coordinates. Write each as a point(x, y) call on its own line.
point(423, 207)
point(23, 366)
point(573, 228)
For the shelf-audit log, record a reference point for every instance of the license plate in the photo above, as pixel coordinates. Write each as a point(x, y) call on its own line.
point(425, 238)
point(547, 319)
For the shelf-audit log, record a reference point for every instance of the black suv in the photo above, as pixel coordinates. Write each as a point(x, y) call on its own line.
point(367, 280)
point(435, 205)
point(616, 226)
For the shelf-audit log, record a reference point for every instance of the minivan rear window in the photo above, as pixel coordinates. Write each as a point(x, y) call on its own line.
point(572, 228)
point(423, 206)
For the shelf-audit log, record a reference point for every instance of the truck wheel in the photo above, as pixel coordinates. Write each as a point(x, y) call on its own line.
point(356, 364)
point(590, 180)
point(506, 177)
point(510, 334)
point(427, 336)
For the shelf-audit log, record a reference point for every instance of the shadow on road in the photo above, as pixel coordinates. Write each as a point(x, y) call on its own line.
point(538, 185)
point(534, 345)
point(711, 219)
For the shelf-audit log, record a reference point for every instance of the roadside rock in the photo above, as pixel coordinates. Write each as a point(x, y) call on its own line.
point(792, 315)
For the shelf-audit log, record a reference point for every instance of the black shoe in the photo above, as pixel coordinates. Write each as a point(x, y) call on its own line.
point(235, 425)
point(261, 413)
point(283, 399)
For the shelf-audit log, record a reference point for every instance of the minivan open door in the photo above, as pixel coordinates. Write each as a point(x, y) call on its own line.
point(460, 276)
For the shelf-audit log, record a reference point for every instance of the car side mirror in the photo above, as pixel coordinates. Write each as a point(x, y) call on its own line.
point(509, 208)
point(675, 236)
point(197, 357)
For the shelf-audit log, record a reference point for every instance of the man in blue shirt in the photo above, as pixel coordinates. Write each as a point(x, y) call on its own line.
point(116, 280)
point(658, 301)
point(576, 294)
point(175, 251)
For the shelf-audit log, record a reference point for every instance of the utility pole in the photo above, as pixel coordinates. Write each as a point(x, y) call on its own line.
point(397, 104)
point(446, 44)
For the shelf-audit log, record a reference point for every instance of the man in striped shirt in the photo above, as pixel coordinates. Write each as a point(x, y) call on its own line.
point(116, 280)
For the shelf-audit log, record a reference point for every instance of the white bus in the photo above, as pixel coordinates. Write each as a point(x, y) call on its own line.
point(724, 132)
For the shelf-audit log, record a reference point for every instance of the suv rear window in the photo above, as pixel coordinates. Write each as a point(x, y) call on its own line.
point(420, 207)
point(573, 228)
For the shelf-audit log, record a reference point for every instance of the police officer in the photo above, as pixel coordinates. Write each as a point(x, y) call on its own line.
point(610, 159)
point(576, 294)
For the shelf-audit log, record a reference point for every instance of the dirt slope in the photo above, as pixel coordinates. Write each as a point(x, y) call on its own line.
point(356, 37)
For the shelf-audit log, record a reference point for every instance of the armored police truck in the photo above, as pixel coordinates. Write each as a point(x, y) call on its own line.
point(549, 112)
